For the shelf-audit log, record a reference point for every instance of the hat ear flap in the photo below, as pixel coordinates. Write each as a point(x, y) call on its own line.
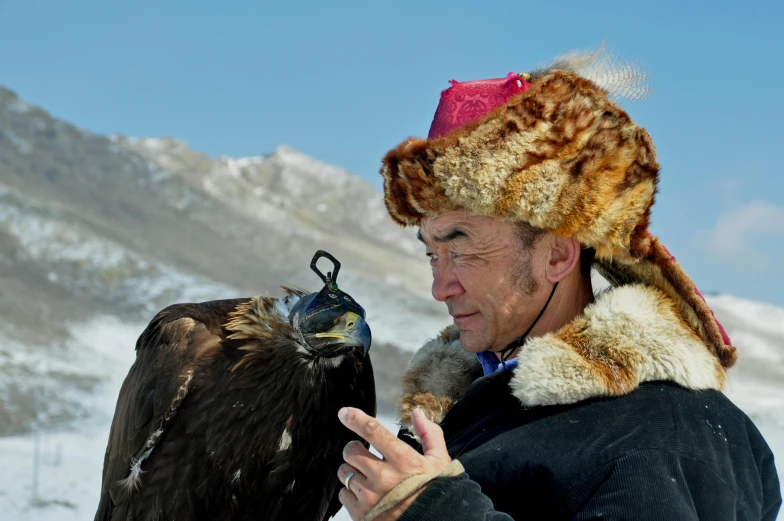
point(658, 268)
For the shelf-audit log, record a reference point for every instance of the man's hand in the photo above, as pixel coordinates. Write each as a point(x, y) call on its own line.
point(372, 477)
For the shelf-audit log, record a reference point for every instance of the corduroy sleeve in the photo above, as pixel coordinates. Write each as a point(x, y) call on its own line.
point(656, 485)
point(453, 499)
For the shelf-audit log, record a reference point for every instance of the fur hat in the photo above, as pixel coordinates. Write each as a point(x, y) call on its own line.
point(552, 149)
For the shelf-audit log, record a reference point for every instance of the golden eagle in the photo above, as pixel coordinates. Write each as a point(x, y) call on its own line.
point(230, 410)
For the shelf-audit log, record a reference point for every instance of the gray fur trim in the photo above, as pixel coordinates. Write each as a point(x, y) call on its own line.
point(442, 368)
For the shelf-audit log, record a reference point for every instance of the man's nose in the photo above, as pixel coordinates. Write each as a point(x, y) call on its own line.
point(446, 284)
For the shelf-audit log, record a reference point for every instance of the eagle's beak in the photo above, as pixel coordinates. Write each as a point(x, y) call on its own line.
point(352, 330)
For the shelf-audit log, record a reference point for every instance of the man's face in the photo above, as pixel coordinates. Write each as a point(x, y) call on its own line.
point(489, 277)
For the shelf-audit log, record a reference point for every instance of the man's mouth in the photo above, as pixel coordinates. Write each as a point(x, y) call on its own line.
point(460, 318)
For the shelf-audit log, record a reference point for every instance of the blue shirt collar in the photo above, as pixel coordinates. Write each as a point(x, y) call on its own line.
point(491, 364)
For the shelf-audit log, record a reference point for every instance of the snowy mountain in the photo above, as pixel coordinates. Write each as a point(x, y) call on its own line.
point(756, 383)
point(122, 227)
point(97, 233)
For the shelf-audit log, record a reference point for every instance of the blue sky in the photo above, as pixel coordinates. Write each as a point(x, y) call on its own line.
point(345, 81)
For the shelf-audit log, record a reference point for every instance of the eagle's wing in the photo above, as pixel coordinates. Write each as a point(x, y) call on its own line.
point(334, 505)
point(166, 351)
point(368, 405)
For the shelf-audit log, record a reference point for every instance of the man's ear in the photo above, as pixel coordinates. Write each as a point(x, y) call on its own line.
point(564, 258)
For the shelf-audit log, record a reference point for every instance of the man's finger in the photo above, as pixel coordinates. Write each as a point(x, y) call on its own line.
point(358, 456)
point(358, 485)
point(343, 471)
point(376, 434)
point(433, 443)
point(350, 501)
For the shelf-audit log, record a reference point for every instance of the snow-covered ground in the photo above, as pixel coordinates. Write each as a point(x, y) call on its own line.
point(70, 463)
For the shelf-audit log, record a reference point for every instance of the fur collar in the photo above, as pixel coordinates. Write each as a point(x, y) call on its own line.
point(630, 334)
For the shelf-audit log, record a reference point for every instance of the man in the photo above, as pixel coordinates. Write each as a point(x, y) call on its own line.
point(579, 407)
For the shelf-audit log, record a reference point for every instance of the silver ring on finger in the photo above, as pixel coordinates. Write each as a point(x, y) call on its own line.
point(348, 481)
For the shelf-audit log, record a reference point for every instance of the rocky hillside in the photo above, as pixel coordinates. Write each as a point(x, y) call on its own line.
point(122, 227)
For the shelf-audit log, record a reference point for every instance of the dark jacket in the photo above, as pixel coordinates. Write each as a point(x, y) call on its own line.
point(618, 415)
point(661, 452)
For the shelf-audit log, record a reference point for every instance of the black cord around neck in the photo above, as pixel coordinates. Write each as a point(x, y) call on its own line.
point(508, 350)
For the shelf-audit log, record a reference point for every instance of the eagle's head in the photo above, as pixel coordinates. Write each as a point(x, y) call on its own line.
point(331, 327)
point(323, 325)
point(330, 322)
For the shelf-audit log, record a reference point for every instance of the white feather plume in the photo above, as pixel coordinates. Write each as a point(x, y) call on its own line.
point(621, 79)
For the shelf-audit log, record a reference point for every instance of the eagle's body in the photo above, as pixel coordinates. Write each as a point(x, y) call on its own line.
point(227, 414)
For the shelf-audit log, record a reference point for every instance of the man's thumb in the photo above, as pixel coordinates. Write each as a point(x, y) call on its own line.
point(432, 436)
